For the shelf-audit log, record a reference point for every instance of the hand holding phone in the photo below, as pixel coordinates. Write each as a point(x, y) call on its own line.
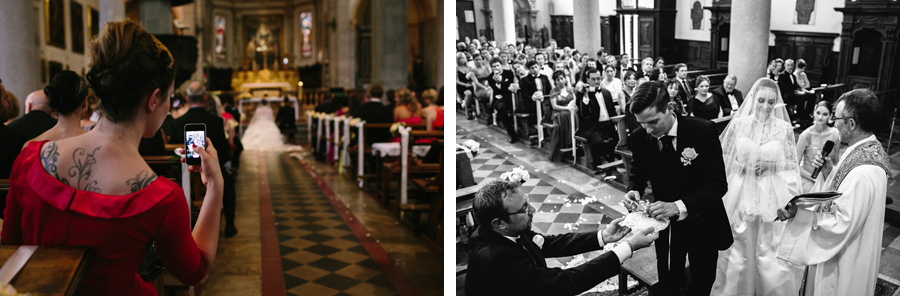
point(194, 134)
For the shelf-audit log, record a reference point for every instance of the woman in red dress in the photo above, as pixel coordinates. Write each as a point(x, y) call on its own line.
point(95, 190)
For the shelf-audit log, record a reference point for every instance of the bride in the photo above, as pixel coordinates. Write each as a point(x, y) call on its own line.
point(763, 174)
point(262, 133)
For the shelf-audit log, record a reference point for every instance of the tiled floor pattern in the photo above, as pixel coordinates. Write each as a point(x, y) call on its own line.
point(319, 253)
point(558, 209)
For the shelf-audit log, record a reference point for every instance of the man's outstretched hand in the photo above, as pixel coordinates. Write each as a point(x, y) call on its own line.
point(614, 232)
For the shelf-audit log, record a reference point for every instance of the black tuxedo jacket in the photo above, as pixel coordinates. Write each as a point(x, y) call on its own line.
point(501, 87)
point(10, 146)
point(215, 130)
point(700, 185)
point(498, 266)
point(286, 118)
point(527, 87)
point(376, 112)
point(590, 113)
point(686, 94)
point(719, 93)
point(33, 124)
point(787, 83)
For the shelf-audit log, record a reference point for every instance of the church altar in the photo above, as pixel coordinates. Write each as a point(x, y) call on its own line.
point(246, 87)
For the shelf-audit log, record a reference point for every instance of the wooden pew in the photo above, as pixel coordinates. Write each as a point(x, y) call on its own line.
point(411, 165)
point(4, 186)
point(362, 149)
point(588, 159)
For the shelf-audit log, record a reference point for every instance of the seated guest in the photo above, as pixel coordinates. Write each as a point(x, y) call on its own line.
point(11, 144)
point(811, 142)
point(776, 67)
point(68, 96)
point(704, 104)
point(588, 64)
point(116, 206)
point(614, 86)
point(560, 97)
point(595, 109)
point(507, 258)
point(681, 103)
point(800, 73)
point(500, 83)
point(794, 97)
point(646, 70)
point(806, 99)
point(685, 91)
point(12, 112)
point(38, 116)
point(434, 113)
point(730, 97)
point(464, 86)
point(625, 64)
point(660, 63)
point(408, 110)
point(631, 122)
point(535, 87)
point(374, 111)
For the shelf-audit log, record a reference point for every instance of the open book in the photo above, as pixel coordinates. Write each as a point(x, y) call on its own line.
point(815, 198)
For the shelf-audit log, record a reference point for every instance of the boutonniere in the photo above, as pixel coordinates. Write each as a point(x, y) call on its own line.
point(687, 155)
point(538, 240)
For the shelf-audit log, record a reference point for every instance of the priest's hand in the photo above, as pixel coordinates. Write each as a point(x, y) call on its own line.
point(660, 209)
point(614, 232)
point(788, 212)
point(825, 163)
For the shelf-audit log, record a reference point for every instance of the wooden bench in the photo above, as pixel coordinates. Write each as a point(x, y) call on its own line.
point(586, 162)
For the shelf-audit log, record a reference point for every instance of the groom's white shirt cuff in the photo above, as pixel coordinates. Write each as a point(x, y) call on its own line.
point(682, 210)
point(623, 251)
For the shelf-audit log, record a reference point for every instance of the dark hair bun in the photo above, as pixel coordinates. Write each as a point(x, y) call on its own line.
point(66, 92)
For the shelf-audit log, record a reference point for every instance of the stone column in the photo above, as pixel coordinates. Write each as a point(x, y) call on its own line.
point(586, 26)
point(389, 40)
point(504, 22)
point(156, 16)
point(110, 11)
point(439, 77)
point(748, 54)
point(342, 50)
point(19, 55)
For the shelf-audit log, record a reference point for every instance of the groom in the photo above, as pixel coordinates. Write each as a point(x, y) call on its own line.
point(682, 159)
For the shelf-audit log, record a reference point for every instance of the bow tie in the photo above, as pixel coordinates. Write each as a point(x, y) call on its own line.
point(729, 93)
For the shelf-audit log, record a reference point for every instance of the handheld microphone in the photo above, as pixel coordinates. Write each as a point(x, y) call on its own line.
point(825, 151)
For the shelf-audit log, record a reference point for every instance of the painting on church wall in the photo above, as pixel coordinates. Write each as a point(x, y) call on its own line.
point(94, 23)
point(306, 34)
point(262, 40)
point(221, 48)
point(77, 19)
point(805, 12)
point(55, 23)
point(696, 16)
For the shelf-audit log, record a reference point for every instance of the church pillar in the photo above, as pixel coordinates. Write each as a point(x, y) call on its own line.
point(110, 11)
point(156, 16)
point(504, 18)
point(342, 50)
point(439, 74)
point(19, 55)
point(586, 24)
point(748, 52)
point(389, 52)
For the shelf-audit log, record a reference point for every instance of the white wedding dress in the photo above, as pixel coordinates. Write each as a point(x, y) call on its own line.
point(263, 134)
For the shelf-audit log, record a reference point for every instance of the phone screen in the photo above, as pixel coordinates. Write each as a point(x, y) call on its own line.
point(194, 138)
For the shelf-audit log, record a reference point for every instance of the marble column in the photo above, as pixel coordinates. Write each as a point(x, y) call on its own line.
point(389, 40)
point(586, 26)
point(110, 11)
point(504, 22)
point(342, 50)
point(156, 16)
point(19, 55)
point(748, 54)
point(439, 77)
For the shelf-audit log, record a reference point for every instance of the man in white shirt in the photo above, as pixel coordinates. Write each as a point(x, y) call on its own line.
point(840, 241)
point(507, 258)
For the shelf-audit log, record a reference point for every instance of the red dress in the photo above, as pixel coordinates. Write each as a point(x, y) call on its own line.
point(41, 210)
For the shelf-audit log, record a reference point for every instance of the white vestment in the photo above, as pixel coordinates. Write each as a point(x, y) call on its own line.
point(842, 248)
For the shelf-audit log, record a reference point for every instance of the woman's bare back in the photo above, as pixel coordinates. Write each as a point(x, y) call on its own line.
point(89, 166)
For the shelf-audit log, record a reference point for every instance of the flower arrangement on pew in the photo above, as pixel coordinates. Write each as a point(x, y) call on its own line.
point(470, 147)
point(517, 175)
point(395, 128)
point(354, 121)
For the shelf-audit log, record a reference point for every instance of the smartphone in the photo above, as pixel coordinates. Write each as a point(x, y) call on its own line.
point(194, 134)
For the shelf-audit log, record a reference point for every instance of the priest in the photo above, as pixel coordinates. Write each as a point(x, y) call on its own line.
point(840, 241)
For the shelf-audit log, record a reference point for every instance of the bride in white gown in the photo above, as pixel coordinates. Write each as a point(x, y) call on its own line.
point(763, 174)
point(262, 133)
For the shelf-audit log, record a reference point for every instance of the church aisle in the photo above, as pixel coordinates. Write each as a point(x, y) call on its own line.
point(324, 237)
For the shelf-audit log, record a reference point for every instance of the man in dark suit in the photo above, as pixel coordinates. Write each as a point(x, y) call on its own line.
point(374, 111)
point(10, 145)
point(681, 157)
point(287, 120)
point(215, 131)
point(685, 90)
point(37, 119)
point(507, 258)
point(798, 101)
point(499, 83)
point(729, 97)
point(595, 111)
point(532, 88)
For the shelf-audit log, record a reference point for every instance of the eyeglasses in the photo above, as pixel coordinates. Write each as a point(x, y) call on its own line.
point(526, 209)
point(841, 118)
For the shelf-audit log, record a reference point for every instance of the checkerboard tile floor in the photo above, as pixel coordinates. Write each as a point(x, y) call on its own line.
point(319, 253)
